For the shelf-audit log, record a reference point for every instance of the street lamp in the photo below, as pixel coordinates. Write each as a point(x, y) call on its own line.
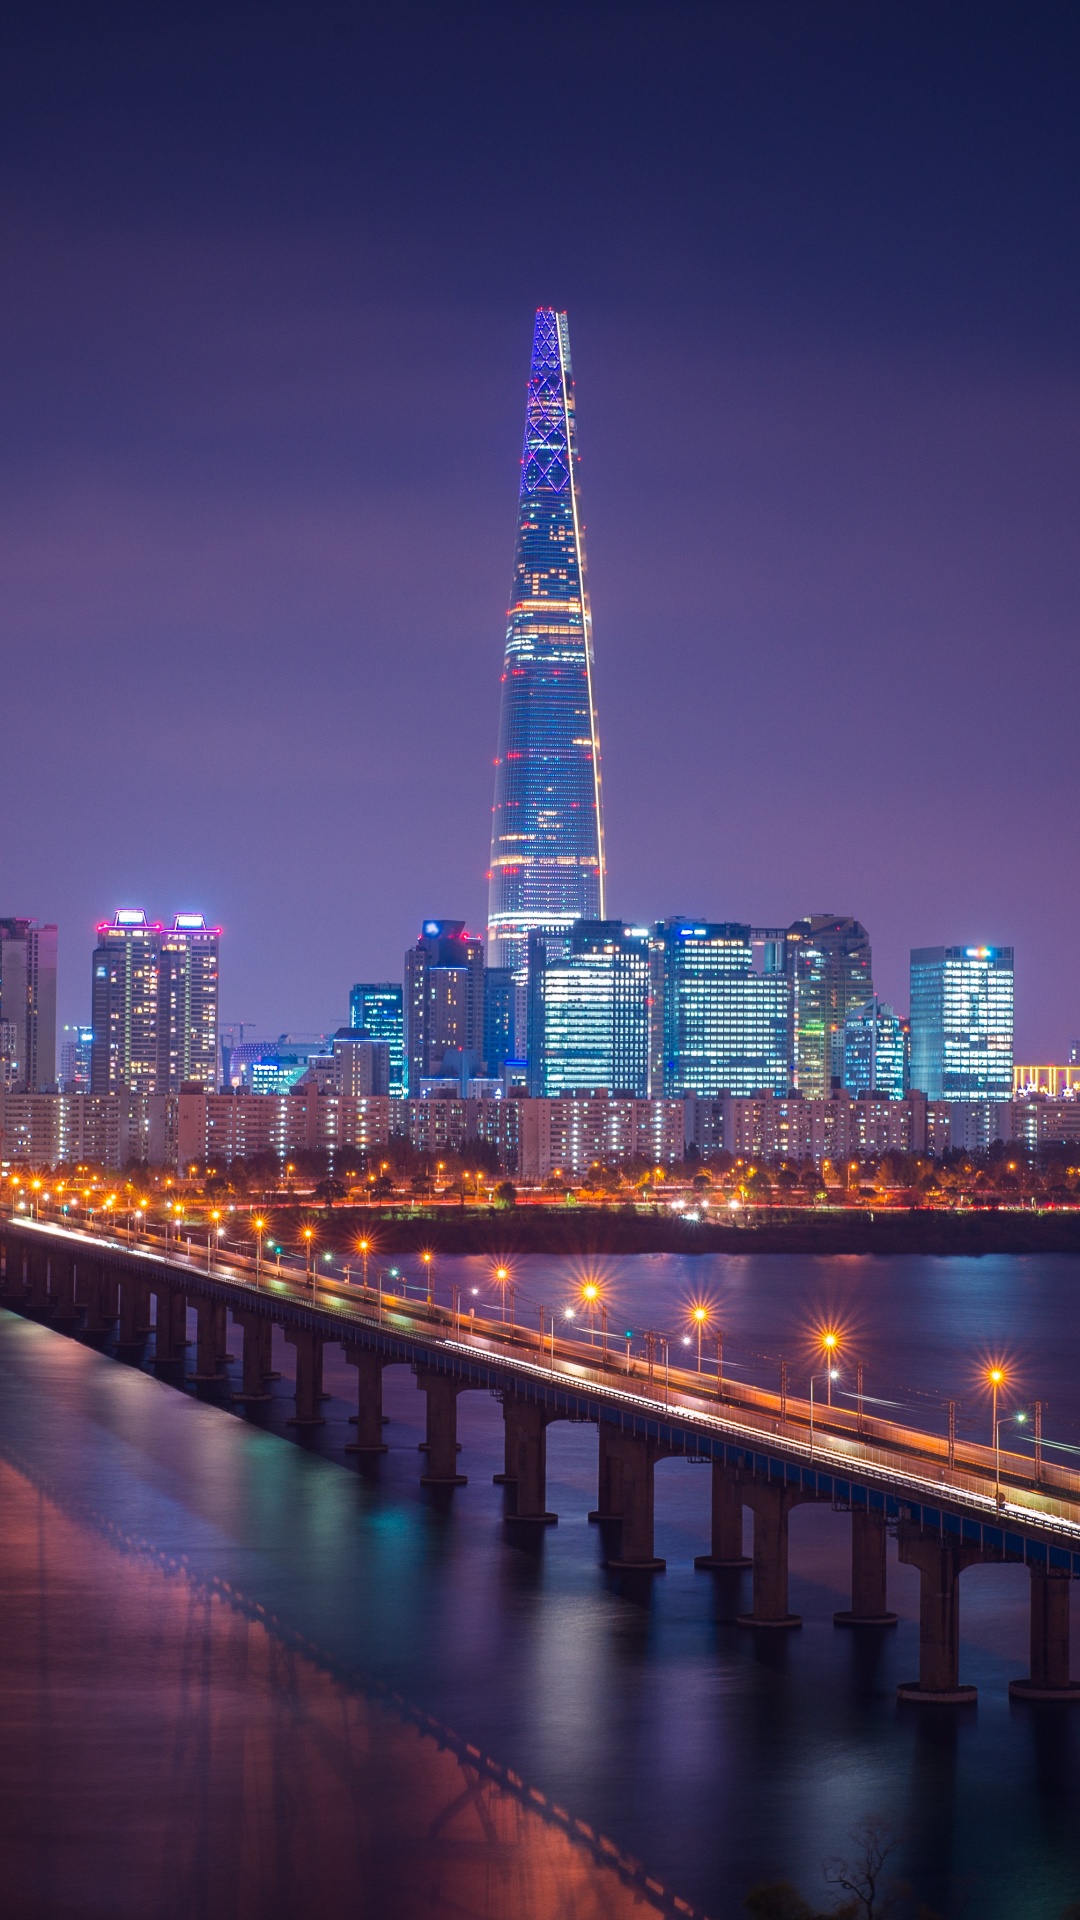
point(700, 1316)
point(427, 1259)
point(308, 1235)
point(215, 1217)
point(504, 1280)
point(830, 1376)
point(830, 1344)
point(1020, 1418)
point(260, 1229)
point(365, 1249)
point(593, 1297)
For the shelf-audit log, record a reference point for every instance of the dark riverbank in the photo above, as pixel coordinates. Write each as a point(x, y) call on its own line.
point(577, 1230)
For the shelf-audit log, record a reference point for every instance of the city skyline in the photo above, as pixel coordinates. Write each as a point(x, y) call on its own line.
point(831, 487)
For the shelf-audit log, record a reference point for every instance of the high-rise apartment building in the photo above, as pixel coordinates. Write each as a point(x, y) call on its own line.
point(154, 1004)
point(547, 841)
point(28, 1002)
point(126, 972)
point(718, 1023)
point(444, 1003)
point(875, 1052)
point(831, 967)
point(361, 1065)
point(962, 1022)
point(376, 1007)
point(589, 1010)
point(188, 1004)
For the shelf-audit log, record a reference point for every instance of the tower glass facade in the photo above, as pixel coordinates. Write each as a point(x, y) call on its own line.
point(962, 1022)
point(717, 1024)
point(875, 1052)
point(589, 1010)
point(831, 967)
point(547, 843)
point(376, 1007)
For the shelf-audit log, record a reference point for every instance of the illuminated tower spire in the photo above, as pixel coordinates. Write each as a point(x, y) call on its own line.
point(547, 837)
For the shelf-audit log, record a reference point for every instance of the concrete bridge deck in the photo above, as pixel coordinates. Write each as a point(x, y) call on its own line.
point(948, 1505)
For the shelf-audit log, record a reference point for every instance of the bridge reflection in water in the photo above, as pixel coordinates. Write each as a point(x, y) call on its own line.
point(951, 1507)
point(170, 1750)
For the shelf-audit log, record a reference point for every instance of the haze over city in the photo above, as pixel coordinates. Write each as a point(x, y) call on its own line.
point(262, 457)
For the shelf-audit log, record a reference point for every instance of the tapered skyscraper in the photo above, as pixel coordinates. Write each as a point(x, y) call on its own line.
point(547, 838)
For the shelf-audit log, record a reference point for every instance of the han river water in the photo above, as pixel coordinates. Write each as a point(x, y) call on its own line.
point(241, 1676)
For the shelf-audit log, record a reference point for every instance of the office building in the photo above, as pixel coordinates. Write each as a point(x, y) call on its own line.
point(500, 1024)
point(547, 843)
point(589, 1010)
point(375, 1006)
point(188, 1004)
point(28, 1002)
point(830, 964)
point(962, 1022)
point(718, 1023)
point(361, 1065)
point(875, 1051)
point(444, 1003)
point(76, 1048)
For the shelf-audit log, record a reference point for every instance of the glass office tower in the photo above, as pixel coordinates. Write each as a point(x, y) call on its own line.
point(547, 842)
point(589, 1010)
point(376, 1007)
point(830, 963)
point(875, 1052)
point(962, 1022)
point(717, 1024)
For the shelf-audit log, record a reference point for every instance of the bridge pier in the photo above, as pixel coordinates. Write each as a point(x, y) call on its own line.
point(940, 1565)
point(771, 1507)
point(369, 1414)
point(526, 1428)
point(134, 1312)
point(101, 1299)
point(210, 1340)
point(37, 1298)
point(170, 1326)
point(1049, 1676)
point(65, 1311)
point(869, 1576)
point(309, 1376)
point(15, 1281)
point(441, 1444)
point(258, 1336)
point(727, 1522)
point(608, 1478)
point(632, 1459)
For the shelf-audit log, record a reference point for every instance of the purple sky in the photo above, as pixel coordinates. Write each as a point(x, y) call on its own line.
point(269, 279)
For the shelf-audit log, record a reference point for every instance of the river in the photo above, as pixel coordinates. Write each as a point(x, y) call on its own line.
point(241, 1676)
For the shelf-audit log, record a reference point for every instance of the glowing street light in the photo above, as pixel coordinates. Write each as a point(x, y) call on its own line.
point(700, 1317)
point(365, 1249)
point(427, 1257)
point(830, 1346)
point(504, 1280)
point(260, 1228)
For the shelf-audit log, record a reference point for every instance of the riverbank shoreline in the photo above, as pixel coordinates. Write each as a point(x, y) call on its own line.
point(567, 1231)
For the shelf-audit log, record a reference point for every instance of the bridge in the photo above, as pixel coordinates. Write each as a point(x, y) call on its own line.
point(950, 1504)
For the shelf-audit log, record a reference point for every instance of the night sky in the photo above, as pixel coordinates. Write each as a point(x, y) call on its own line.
point(269, 275)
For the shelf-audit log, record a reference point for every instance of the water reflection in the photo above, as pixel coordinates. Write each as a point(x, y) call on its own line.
point(165, 1753)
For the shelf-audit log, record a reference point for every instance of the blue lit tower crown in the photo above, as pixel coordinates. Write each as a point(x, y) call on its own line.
point(547, 837)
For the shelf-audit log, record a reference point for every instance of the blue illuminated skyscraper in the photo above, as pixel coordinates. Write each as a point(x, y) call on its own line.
point(547, 839)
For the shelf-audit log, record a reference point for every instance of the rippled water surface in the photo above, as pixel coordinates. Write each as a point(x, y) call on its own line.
point(164, 1751)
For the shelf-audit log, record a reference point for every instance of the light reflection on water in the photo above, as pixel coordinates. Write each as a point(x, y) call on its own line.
point(638, 1706)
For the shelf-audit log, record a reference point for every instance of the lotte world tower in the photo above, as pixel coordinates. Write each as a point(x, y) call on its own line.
point(547, 837)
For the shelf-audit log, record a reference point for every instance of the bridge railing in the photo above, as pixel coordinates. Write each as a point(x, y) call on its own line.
point(866, 1437)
